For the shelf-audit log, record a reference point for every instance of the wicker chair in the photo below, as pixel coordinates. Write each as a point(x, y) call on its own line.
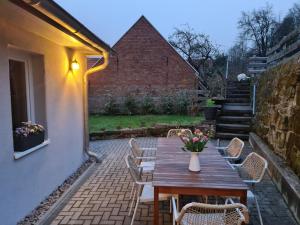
point(207, 214)
point(175, 132)
point(143, 191)
point(142, 160)
point(252, 171)
point(234, 150)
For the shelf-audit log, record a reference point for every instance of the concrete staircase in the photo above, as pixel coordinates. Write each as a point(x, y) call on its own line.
point(236, 113)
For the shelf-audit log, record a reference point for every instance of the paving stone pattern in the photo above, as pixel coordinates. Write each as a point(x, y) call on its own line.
point(104, 197)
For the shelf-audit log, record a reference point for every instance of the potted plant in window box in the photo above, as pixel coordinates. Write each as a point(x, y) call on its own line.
point(28, 136)
point(210, 110)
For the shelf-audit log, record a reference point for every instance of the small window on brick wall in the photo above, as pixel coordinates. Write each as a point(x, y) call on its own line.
point(27, 86)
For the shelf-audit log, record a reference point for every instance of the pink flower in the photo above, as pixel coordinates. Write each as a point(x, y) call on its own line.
point(197, 131)
point(195, 139)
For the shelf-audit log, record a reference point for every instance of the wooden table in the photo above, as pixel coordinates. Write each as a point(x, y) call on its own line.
point(171, 174)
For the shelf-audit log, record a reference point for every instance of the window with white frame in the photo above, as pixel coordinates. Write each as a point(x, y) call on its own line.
point(27, 86)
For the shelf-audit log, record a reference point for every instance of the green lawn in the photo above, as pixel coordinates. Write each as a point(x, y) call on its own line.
point(101, 123)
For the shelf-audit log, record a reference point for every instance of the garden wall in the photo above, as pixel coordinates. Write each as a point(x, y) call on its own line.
point(277, 118)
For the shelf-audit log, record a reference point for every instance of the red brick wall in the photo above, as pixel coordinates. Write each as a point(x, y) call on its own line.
point(144, 63)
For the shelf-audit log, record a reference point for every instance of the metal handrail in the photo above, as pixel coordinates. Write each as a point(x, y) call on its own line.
point(253, 99)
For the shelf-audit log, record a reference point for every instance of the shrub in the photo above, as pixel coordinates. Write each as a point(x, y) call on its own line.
point(182, 104)
point(210, 103)
point(131, 106)
point(167, 105)
point(111, 107)
point(147, 105)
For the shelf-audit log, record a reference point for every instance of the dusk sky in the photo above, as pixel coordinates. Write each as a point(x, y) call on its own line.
point(217, 18)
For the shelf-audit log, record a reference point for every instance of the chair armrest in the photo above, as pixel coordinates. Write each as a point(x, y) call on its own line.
point(175, 210)
point(236, 165)
point(149, 149)
point(144, 183)
point(146, 157)
point(250, 181)
point(142, 167)
point(233, 166)
point(222, 148)
point(230, 157)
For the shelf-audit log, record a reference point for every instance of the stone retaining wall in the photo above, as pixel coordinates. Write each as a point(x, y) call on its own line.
point(157, 131)
point(277, 118)
point(283, 177)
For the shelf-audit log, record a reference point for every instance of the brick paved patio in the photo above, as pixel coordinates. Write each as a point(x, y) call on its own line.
point(104, 197)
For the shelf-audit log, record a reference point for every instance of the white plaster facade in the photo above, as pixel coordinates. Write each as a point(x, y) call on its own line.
point(25, 182)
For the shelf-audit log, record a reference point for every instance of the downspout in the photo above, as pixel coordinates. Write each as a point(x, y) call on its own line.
point(86, 141)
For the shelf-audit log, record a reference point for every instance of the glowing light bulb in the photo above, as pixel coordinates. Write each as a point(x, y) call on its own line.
point(75, 65)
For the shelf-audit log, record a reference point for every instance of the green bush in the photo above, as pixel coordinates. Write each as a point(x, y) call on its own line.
point(111, 107)
point(130, 105)
point(147, 106)
point(210, 103)
point(167, 105)
point(182, 104)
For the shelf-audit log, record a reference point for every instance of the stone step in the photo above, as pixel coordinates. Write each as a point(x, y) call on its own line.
point(224, 135)
point(238, 96)
point(235, 113)
point(236, 128)
point(234, 119)
point(238, 82)
point(237, 91)
point(239, 87)
point(236, 110)
point(233, 88)
point(237, 103)
point(236, 100)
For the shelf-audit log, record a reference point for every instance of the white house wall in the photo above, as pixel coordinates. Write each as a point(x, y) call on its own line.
point(25, 182)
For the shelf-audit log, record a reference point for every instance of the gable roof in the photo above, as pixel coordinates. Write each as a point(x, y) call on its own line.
point(143, 18)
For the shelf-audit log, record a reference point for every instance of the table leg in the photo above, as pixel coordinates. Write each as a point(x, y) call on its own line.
point(243, 198)
point(156, 206)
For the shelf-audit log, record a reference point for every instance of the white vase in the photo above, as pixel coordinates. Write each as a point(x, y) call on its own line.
point(194, 162)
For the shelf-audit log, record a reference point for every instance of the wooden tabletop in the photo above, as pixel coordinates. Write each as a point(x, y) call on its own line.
point(171, 168)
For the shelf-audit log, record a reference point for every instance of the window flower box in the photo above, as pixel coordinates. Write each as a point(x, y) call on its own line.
point(28, 136)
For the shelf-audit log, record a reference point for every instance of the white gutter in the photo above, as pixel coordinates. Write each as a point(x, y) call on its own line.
point(86, 141)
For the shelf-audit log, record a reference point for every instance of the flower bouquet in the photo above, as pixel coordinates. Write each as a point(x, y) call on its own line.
point(28, 135)
point(195, 144)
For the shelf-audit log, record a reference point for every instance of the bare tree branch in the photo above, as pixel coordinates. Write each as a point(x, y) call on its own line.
point(258, 26)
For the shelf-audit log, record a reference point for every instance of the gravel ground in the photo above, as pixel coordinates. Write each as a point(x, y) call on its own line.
point(45, 205)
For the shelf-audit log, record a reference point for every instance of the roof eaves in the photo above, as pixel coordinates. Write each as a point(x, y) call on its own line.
point(33, 6)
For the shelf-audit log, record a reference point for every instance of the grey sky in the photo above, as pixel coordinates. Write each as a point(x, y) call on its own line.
point(217, 18)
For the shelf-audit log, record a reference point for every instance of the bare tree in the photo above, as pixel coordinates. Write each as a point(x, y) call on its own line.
point(203, 55)
point(294, 12)
point(258, 26)
point(196, 48)
point(289, 23)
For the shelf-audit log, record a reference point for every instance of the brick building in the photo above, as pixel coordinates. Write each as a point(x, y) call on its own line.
point(144, 63)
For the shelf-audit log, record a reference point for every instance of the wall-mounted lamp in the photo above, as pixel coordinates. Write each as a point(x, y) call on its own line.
point(74, 65)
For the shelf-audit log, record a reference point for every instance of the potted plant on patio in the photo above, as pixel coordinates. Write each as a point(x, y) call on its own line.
point(195, 144)
point(210, 110)
point(28, 136)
